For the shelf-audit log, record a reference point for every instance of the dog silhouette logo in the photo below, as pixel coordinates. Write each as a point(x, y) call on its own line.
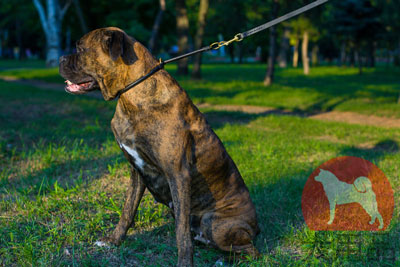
point(347, 193)
point(339, 193)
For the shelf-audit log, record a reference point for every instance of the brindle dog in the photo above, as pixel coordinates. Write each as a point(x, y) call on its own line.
point(174, 152)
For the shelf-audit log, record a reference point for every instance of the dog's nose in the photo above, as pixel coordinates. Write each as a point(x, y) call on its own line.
point(62, 59)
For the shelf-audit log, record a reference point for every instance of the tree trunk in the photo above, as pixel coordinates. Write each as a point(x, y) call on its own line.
point(156, 27)
point(81, 18)
point(352, 58)
point(304, 53)
point(51, 24)
point(269, 77)
point(357, 57)
point(284, 48)
point(1, 43)
point(68, 47)
point(198, 40)
point(371, 55)
point(343, 54)
point(397, 56)
point(54, 34)
point(296, 53)
point(314, 55)
point(19, 38)
point(182, 26)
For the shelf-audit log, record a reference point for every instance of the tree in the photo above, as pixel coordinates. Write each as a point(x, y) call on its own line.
point(302, 29)
point(182, 27)
point(156, 26)
point(81, 18)
point(284, 47)
point(357, 23)
point(304, 53)
point(198, 40)
point(269, 77)
point(51, 24)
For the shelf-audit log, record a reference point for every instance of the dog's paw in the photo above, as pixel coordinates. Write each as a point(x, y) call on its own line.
point(102, 244)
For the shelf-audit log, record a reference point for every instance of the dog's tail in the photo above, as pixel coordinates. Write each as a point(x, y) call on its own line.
point(362, 184)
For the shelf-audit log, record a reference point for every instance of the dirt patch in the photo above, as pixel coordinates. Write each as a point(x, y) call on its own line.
point(356, 118)
point(347, 117)
point(241, 108)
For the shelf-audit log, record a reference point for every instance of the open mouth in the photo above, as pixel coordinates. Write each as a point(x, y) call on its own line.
point(80, 88)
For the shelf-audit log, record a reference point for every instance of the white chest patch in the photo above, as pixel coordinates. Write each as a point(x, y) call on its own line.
point(131, 151)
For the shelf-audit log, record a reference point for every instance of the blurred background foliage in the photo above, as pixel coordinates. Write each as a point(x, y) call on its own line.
point(348, 32)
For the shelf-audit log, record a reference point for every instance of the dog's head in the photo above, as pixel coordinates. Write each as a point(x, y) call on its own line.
point(102, 61)
point(322, 176)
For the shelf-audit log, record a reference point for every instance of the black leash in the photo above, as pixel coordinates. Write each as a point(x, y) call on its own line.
point(217, 45)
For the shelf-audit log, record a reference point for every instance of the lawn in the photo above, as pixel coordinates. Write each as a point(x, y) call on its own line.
point(63, 177)
point(326, 88)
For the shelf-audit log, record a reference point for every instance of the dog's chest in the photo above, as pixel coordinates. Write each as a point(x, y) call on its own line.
point(154, 179)
point(131, 150)
point(141, 158)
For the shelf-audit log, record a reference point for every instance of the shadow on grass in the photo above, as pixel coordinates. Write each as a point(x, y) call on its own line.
point(67, 174)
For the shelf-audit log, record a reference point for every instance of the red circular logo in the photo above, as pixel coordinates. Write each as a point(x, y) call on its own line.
point(347, 193)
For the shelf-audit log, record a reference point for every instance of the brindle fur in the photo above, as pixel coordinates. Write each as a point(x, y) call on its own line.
point(185, 163)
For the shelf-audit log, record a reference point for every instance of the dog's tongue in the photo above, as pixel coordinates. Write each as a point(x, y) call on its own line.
point(73, 87)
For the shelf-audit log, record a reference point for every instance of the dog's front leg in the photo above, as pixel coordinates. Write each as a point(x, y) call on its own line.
point(332, 208)
point(133, 196)
point(180, 191)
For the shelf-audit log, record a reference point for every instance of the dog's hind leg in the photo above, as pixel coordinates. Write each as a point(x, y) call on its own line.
point(371, 207)
point(133, 196)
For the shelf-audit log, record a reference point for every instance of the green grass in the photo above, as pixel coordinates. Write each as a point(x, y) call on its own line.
point(326, 88)
point(63, 177)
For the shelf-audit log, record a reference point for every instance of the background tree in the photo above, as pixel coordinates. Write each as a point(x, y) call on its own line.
point(81, 17)
point(309, 32)
point(182, 28)
point(198, 40)
point(284, 48)
point(156, 26)
point(358, 24)
point(272, 46)
point(51, 20)
point(302, 29)
point(19, 29)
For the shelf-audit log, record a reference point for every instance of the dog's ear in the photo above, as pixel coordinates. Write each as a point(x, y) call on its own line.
point(121, 45)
